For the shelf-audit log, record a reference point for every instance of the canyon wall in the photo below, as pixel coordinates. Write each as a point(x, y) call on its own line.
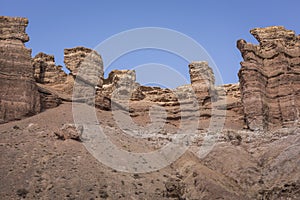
point(267, 97)
point(19, 95)
point(50, 86)
point(270, 78)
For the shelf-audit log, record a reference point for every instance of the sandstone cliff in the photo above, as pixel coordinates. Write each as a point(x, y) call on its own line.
point(269, 78)
point(19, 95)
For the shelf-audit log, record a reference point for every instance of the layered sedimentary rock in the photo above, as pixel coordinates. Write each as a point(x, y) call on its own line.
point(86, 67)
point(201, 100)
point(48, 75)
point(48, 98)
point(85, 83)
point(86, 75)
point(229, 99)
point(202, 80)
point(19, 95)
point(270, 78)
point(121, 84)
point(45, 70)
point(14, 28)
point(85, 63)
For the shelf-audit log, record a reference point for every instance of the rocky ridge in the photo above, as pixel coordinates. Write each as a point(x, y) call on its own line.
point(269, 78)
point(255, 155)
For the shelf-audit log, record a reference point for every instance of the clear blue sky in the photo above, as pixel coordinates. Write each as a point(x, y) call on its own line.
point(215, 24)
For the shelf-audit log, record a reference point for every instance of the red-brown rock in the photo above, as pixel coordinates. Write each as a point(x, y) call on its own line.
point(270, 78)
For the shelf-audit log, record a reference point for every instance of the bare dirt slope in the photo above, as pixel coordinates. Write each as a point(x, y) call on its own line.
point(35, 164)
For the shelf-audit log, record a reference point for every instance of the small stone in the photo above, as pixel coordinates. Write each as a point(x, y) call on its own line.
point(22, 192)
point(70, 131)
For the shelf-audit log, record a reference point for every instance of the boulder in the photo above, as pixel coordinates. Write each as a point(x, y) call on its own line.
point(70, 131)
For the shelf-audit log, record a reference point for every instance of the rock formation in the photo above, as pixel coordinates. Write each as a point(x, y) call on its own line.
point(86, 63)
point(202, 80)
point(86, 73)
point(270, 78)
point(48, 98)
point(86, 68)
point(121, 84)
point(19, 95)
point(40, 161)
point(269, 82)
point(45, 70)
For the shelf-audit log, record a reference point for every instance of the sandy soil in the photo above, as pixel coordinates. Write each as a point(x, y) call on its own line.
point(35, 164)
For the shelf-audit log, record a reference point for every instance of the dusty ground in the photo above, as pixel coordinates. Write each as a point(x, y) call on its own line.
point(35, 164)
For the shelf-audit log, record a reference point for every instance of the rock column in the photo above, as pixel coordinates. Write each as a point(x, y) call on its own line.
point(19, 95)
point(86, 66)
point(270, 78)
point(202, 81)
point(45, 70)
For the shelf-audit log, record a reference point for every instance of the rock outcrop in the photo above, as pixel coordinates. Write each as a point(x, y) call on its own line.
point(241, 164)
point(45, 70)
point(202, 80)
point(121, 84)
point(85, 63)
point(48, 98)
point(14, 28)
point(270, 78)
point(48, 75)
point(19, 95)
point(86, 73)
point(86, 68)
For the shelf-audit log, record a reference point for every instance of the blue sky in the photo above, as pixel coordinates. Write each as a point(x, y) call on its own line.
point(215, 24)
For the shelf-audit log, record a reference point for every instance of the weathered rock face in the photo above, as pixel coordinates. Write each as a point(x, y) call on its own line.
point(85, 83)
point(48, 98)
point(270, 78)
point(86, 63)
point(19, 96)
point(86, 67)
point(231, 101)
point(121, 84)
point(202, 80)
point(13, 28)
point(201, 74)
point(86, 73)
point(45, 70)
